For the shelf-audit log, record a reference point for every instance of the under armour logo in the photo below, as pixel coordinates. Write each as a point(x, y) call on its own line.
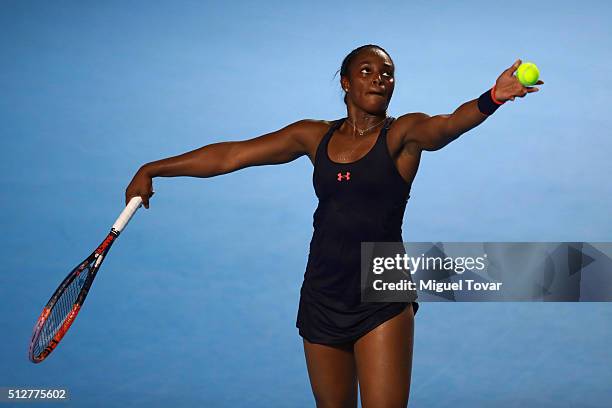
point(347, 176)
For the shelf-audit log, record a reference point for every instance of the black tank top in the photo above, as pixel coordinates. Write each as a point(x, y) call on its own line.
point(361, 201)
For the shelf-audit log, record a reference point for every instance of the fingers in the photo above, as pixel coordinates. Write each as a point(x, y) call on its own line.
point(145, 198)
point(525, 91)
point(514, 66)
point(520, 93)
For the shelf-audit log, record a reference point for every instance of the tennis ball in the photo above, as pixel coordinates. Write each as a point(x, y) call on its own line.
point(528, 73)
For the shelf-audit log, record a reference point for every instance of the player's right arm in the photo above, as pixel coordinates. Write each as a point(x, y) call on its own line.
point(278, 147)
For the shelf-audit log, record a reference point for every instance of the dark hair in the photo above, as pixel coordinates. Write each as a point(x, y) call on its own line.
point(346, 62)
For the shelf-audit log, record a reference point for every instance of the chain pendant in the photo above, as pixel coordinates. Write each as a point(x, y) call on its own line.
point(364, 131)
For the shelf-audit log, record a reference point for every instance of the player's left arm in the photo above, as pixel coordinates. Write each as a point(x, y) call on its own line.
point(435, 132)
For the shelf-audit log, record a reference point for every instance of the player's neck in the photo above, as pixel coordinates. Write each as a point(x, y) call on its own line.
point(363, 123)
point(363, 119)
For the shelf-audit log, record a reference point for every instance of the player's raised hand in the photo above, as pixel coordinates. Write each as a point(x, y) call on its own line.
point(508, 87)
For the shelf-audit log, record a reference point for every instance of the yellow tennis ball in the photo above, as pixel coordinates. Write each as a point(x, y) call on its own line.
point(528, 73)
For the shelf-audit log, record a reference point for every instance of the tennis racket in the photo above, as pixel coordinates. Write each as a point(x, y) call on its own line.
point(63, 307)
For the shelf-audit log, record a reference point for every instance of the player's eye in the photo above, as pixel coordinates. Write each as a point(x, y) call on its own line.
point(365, 70)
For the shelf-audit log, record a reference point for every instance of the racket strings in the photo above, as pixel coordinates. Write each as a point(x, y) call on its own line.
point(61, 310)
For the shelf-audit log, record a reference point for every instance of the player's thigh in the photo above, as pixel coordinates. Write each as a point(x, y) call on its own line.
point(332, 373)
point(384, 362)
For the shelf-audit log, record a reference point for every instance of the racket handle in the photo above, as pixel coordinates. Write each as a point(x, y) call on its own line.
point(126, 214)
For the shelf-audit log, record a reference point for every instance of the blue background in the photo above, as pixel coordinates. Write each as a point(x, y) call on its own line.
point(196, 304)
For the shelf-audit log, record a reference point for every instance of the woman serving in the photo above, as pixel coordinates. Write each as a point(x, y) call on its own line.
point(364, 166)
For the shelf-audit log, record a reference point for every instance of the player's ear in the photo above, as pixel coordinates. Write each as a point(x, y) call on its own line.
point(344, 82)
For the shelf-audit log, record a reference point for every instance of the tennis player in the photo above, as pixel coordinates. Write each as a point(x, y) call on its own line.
point(364, 166)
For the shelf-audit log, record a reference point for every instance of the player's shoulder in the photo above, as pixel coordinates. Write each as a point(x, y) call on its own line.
point(405, 125)
point(408, 120)
point(312, 125)
point(310, 129)
point(309, 132)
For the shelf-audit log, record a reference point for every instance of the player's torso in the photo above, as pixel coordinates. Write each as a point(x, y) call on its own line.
point(343, 148)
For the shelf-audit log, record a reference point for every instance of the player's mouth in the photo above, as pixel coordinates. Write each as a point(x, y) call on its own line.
point(377, 93)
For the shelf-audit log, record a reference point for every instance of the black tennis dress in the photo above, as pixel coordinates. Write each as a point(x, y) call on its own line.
point(362, 201)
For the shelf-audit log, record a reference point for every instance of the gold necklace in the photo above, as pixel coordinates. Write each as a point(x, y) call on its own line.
point(348, 156)
point(362, 132)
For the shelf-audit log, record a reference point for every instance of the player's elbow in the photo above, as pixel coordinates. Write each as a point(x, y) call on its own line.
point(233, 160)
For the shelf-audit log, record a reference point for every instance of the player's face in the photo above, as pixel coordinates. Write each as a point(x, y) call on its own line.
point(371, 81)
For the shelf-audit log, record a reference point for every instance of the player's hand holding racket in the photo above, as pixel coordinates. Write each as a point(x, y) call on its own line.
point(140, 186)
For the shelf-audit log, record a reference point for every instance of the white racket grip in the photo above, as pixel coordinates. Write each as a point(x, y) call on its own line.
point(127, 213)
